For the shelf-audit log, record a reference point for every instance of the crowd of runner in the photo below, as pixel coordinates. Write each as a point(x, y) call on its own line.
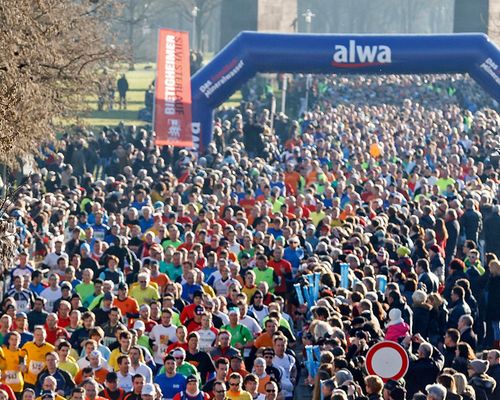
point(146, 273)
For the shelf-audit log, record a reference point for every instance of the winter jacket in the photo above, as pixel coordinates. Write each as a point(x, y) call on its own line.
point(471, 224)
point(483, 385)
point(491, 233)
point(394, 332)
point(421, 319)
point(423, 372)
point(450, 282)
point(493, 299)
point(430, 280)
point(453, 228)
point(457, 309)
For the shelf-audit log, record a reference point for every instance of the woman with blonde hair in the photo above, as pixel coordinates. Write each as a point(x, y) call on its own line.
point(463, 388)
point(438, 319)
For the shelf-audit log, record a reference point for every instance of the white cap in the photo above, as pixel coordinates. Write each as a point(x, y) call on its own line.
point(148, 390)
point(139, 325)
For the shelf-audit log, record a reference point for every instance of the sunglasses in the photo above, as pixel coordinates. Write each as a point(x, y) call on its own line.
point(270, 391)
point(234, 384)
point(220, 391)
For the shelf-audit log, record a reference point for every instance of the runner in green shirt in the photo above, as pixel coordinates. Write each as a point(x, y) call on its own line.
point(241, 336)
point(86, 288)
point(265, 273)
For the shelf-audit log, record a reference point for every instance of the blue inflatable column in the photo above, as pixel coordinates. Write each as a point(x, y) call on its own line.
point(202, 126)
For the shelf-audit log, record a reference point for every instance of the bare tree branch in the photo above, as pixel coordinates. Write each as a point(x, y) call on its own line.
point(51, 52)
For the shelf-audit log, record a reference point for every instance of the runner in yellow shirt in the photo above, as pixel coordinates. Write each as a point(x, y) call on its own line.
point(35, 355)
point(145, 292)
point(12, 357)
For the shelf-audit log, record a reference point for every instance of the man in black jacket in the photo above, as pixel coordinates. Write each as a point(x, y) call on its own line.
point(494, 370)
point(426, 277)
point(491, 232)
point(122, 86)
point(471, 222)
point(451, 340)
point(458, 306)
point(424, 366)
point(453, 228)
point(467, 334)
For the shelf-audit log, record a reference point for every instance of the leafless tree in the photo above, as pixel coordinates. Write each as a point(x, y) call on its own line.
point(50, 51)
point(133, 17)
point(204, 10)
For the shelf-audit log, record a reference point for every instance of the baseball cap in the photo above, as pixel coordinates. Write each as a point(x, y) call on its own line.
point(122, 286)
point(111, 377)
point(158, 204)
point(139, 325)
point(198, 310)
point(148, 390)
point(85, 247)
point(107, 296)
point(48, 394)
point(66, 285)
point(95, 353)
point(191, 378)
point(268, 351)
point(21, 315)
point(237, 357)
point(233, 311)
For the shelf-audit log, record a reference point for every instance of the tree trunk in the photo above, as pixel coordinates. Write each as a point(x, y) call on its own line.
point(131, 32)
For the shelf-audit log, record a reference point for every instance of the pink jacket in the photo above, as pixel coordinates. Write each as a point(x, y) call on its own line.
point(394, 332)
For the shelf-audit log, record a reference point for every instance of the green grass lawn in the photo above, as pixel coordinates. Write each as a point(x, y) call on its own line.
point(138, 80)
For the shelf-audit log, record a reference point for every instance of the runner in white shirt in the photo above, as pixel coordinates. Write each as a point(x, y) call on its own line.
point(123, 373)
point(207, 333)
point(52, 293)
point(138, 367)
point(51, 259)
point(222, 284)
point(163, 334)
point(286, 363)
point(249, 322)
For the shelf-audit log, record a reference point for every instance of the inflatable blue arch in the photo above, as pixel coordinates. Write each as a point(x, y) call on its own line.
point(252, 52)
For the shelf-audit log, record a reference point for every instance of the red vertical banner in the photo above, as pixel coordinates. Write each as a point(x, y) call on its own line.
point(172, 108)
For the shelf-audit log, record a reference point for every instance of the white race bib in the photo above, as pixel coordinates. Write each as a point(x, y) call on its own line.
point(12, 377)
point(36, 367)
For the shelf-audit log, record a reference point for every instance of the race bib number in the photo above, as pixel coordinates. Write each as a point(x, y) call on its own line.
point(23, 305)
point(12, 377)
point(36, 367)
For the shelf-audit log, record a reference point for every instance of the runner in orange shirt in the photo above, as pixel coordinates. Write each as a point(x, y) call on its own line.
point(127, 305)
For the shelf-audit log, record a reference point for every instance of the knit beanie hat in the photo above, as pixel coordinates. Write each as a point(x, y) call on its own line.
point(479, 366)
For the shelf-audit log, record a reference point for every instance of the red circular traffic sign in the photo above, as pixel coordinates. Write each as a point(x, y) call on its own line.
point(388, 360)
